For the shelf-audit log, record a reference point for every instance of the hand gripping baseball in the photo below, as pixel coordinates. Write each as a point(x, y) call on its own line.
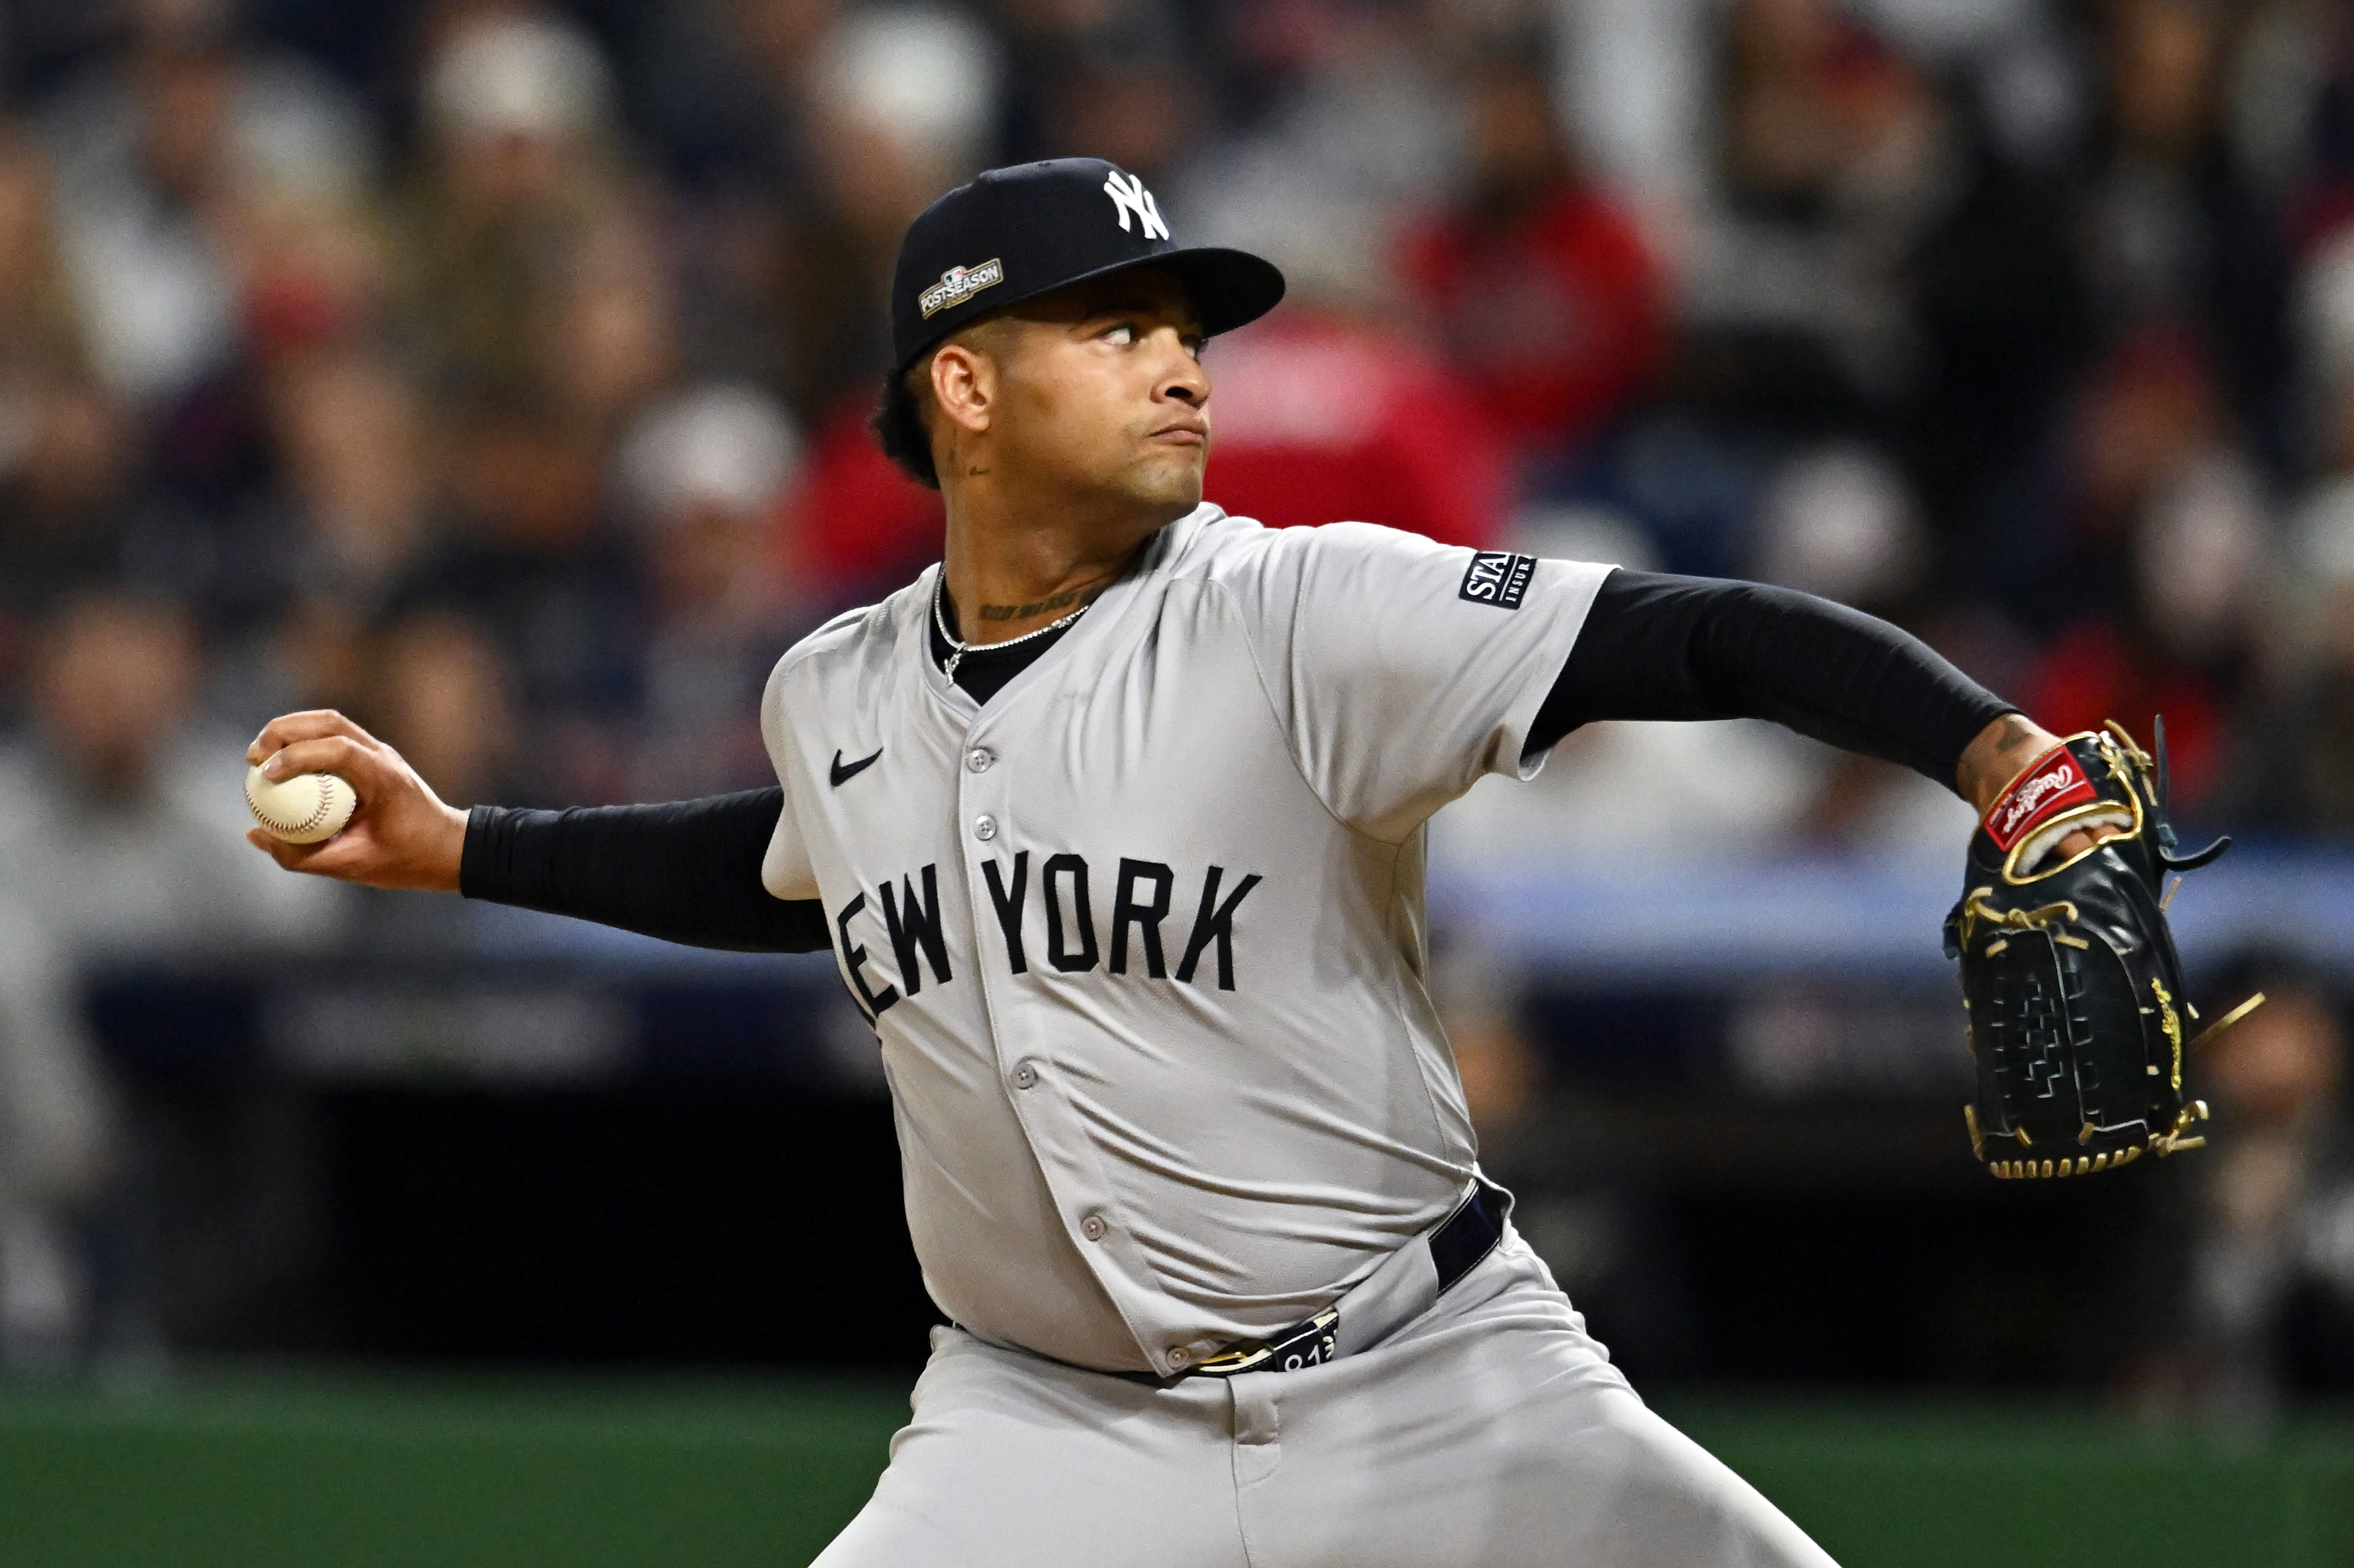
point(401, 835)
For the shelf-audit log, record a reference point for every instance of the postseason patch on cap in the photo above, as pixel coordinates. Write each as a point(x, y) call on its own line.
point(1498, 577)
point(959, 284)
point(2044, 790)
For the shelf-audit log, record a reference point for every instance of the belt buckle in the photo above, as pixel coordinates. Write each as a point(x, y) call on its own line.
point(1308, 1344)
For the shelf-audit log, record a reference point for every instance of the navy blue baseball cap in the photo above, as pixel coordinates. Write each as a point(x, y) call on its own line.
point(1016, 233)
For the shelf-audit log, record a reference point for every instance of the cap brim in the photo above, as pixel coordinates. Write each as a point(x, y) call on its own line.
point(1227, 288)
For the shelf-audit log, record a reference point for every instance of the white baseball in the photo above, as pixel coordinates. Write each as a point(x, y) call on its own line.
point(301, 810)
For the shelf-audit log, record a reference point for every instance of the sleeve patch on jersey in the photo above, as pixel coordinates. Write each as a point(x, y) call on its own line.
point(1498, 577)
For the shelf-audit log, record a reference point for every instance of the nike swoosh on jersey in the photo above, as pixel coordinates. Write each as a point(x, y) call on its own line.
point(842, 772)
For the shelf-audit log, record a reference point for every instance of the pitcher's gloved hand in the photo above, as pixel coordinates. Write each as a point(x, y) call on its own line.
point(2073, 991)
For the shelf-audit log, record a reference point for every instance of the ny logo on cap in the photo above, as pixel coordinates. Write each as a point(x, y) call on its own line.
point(1129, 195)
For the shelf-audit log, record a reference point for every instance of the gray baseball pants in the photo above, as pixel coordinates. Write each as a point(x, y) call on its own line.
point(1490, 1432)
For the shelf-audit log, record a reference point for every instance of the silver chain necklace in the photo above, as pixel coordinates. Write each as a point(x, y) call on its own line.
point(958, 647)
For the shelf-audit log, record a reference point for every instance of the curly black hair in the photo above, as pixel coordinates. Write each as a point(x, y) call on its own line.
point(899, 427)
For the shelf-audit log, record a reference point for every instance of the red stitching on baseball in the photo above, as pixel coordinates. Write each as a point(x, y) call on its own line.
point(318, 813)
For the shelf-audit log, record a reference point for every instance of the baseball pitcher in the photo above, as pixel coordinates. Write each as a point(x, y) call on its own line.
point(1114, 823)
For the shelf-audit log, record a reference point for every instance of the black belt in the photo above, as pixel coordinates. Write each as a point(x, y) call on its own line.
point(1461, 1240)
point(1470, 1233)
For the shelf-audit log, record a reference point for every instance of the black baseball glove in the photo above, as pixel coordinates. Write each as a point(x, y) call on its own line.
point(2072, 990)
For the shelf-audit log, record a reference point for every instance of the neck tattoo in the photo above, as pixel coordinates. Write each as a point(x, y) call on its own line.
point(958, 647)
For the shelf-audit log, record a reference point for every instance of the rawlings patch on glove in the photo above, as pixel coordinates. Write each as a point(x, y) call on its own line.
point(2072, 990)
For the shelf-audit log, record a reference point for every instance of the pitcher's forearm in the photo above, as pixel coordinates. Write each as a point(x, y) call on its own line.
point(1663, 647)
point(685, 871)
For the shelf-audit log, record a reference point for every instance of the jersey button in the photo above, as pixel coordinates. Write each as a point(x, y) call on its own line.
point(1094, 1227)
point(979, 759)
point(1178, 1358)
point(984, 827)
point(1025, 1077)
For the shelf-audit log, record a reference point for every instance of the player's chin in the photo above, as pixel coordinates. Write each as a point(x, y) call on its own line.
point(1169, 480)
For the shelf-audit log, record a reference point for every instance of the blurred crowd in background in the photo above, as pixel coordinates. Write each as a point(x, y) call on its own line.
point(498, 372)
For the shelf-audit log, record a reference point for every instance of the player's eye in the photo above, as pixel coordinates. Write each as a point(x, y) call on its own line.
point(1123, 334)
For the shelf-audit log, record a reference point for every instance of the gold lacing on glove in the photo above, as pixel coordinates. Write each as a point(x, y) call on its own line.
point(1975, 909)
point(2173, 1140)
point(2131, 751)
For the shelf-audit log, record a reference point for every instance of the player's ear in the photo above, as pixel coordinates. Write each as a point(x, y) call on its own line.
point(964, 386)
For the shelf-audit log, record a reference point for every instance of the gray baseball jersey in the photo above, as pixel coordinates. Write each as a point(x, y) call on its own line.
point(1142, 936)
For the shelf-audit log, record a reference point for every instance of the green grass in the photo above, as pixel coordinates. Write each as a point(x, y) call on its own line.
point(255, 1467)
point(1928, 1484)
point(256, 1471)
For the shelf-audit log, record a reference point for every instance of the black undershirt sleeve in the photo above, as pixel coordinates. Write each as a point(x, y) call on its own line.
point(1661, 647)
point(687, 870)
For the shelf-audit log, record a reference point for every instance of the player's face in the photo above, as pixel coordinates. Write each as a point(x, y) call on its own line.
point(1101, 391)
